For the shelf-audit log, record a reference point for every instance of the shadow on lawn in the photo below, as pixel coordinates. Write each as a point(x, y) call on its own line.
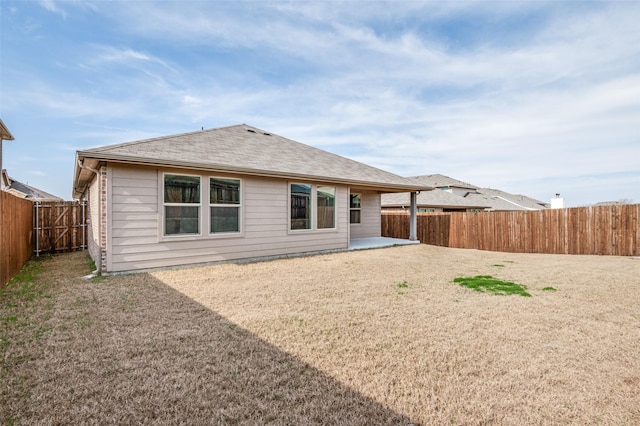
point(148, 354)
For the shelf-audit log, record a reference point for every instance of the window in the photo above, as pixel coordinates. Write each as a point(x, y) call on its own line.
point(300, 206)
point(224, 205)
point(355, 207)
point(326, 196)
point(181, 204)
point(303, 197)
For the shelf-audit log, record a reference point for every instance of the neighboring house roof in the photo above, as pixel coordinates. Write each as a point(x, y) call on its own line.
point(241, 149)
point(23, 190)
point(5, 134)
point(442, 181)
point(495, 204)
point(504, 201)
point(484, 198)
point(611, 203)
point(435, 198)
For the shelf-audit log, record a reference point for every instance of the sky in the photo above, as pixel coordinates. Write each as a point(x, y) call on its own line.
point(533, 98)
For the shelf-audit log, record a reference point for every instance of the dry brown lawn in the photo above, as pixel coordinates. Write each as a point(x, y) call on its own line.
point(370, 337)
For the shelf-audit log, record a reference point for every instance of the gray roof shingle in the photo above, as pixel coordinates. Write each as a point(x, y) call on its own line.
point(435, 198)
point(247, 150)
point(23, 190)
point(517, 202)
point(504, 201)
point(442, 181)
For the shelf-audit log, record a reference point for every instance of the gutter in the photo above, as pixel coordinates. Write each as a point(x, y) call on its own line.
point(83, 167)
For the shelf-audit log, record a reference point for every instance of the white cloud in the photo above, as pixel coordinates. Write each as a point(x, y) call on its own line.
point(493, 93)
point(52, 6)
point(126, 56)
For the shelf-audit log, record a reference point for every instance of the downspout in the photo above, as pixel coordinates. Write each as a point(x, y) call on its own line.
point(82, 166)
point(84, 223)
point(413, 218)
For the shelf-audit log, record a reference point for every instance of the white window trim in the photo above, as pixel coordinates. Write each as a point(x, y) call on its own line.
point(355, 208)
point(314, 209)
point(240, 207)
point(203, 219)
point(335, 208)
point(163, 218)
point(312, 218)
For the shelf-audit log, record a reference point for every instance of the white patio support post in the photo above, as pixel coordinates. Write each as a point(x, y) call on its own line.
point(413, 218)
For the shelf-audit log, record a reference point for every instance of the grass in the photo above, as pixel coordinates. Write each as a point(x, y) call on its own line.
point(23, 311)
point(26, 310)
point(489, 284)
point(24, 286)
point(287, 342)
point(402, 286)
point(548, 289)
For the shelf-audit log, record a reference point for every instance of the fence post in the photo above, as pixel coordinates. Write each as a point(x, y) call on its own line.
point(36, 228)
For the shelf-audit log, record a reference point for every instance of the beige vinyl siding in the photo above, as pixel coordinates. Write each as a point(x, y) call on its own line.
point(370, 221)
point(136, 223)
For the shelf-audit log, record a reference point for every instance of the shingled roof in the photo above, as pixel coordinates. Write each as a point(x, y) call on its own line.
point(23, 190)
point(442, 181)
point(435, 198)
point(242, 149)
point(508, 201)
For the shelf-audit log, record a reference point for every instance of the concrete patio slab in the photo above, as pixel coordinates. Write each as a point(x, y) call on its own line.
point(378, 242)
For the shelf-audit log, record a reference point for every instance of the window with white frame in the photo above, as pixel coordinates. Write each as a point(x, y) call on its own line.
point(303, 198)
point(326, 206)
point(181, 200)
point(300, 195)
point(355, 208)
point(224, 204)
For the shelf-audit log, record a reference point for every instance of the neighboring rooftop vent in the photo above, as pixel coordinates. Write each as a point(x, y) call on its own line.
point(251, 130)
point(266, 134)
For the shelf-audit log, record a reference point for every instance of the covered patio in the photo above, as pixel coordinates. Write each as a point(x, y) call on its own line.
point(378, 242)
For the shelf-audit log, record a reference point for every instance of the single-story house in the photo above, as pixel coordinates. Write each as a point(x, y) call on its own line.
point(225, 194)
point(24, 190)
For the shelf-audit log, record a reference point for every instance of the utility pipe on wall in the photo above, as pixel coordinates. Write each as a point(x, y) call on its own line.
point(84, 202)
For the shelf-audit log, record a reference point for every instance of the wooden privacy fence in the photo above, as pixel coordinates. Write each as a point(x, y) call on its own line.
point(16, 228)
point(59, 227)
point(602, 230)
